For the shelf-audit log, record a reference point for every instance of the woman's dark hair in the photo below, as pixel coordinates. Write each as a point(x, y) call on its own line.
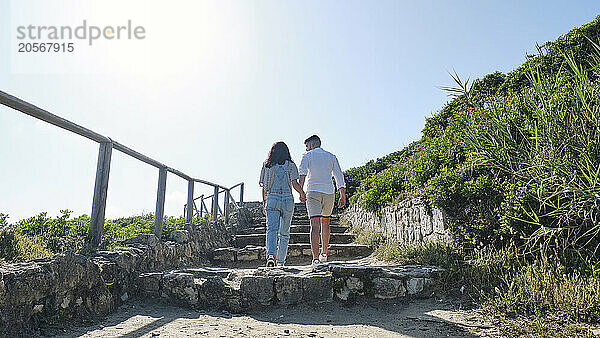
point(278, 154)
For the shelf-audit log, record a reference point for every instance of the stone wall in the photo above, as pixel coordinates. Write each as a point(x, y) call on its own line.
point(76, 286)
point(410, 221)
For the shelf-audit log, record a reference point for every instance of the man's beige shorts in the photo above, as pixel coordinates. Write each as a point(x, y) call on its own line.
point(319, 204)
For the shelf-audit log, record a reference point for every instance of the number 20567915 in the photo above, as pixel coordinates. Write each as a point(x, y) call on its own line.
point(46, 47)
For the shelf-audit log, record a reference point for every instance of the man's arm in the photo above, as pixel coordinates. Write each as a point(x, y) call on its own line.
point(338, 175)
point(303, 170)
point(342, 201)
point(298, 188)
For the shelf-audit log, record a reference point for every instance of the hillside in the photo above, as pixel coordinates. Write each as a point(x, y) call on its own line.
point(509, 155)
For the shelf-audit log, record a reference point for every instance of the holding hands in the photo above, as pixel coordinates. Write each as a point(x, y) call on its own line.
point(302, 196)
point(299, 189)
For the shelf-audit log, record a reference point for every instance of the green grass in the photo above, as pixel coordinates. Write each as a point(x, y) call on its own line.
point(527, 295)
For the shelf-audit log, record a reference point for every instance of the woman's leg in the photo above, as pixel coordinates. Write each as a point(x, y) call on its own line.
point(284, 229)
point(273, 216)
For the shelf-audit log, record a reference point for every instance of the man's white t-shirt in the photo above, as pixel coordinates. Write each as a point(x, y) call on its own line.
point(319, 166)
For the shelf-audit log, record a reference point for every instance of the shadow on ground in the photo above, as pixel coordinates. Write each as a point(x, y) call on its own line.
point(406, 318)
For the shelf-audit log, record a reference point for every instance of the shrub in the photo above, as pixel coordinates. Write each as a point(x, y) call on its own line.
point(41, 236)
point(15, 247)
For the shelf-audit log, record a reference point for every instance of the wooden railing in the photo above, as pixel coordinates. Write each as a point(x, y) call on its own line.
point(103, 169)
point(215, 209)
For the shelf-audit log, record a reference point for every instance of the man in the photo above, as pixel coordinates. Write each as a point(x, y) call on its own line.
point(317, 167)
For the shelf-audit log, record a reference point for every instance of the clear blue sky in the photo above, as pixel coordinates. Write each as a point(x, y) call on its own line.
point(215, 83)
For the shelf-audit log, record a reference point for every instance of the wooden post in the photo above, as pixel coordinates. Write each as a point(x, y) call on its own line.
point(205, 208)
point(215, 205)
point(196, 209)
point(226, 206)
point(242, 195)
point(190, 203)
point(201, 202)
point(160, 202)
point(99, 201)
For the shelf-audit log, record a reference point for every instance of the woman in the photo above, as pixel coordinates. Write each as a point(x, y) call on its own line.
point(279, 173)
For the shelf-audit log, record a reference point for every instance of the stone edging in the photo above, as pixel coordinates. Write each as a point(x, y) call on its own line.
point(242, 290)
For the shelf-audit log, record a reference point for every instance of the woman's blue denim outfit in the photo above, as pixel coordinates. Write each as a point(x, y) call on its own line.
point(279, 208)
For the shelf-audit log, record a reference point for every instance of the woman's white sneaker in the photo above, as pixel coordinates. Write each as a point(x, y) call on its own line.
point(323, 257)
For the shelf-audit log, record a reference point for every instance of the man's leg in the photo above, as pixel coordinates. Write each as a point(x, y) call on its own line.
point(315, 227)
point(325, 218)
point(313, 206)
point(324, 234)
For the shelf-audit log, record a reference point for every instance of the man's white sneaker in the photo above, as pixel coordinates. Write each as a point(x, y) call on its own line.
point(315, 263)
point(323, 257)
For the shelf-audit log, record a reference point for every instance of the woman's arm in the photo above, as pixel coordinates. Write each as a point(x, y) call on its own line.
point(298, 188)
point(264, 198)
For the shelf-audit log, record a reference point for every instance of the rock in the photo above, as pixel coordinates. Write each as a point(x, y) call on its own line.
point(66, 301)
point(288, 289)
point(124, 297)
point(388, 288)
point(149, 283)
point(294, 252)
point(181, 236)
point(339, 270)
point(354, 284)
point(343, 294)
point(180, 287)
point(2, 288)
point(317, 288)
point(148, 239)
point(37, 308)
point(101, 303)
point(258, 288)
point(352, 287)
point(414, 285)
point(250, 253)
point(224, 255)
point(213, 293)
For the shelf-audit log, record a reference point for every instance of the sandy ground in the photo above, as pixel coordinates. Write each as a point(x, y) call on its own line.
point(407, 318)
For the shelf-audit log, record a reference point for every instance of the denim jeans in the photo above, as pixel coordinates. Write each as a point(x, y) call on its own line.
point(279, 208)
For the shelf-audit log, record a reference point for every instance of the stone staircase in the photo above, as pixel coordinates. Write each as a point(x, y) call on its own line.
point(248, 249)
point(237, 281)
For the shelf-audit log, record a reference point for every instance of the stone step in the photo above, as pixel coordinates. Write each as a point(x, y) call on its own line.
point(299, 220)
point(295, 228)
point(241, 290)
point(298, 253)
point(242, 241)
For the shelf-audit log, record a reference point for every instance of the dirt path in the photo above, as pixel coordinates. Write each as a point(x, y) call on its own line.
point(412, 318)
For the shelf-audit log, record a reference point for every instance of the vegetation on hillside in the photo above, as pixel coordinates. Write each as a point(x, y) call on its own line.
point(510, 157)
point(514, 160)
point(42, 236)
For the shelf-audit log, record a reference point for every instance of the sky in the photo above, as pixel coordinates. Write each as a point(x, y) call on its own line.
point(213, 84)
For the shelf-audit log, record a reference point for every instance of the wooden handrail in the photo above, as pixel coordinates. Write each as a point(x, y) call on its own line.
point(103, 170)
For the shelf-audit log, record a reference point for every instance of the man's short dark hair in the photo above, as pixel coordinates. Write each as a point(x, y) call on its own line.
point(313, 139)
